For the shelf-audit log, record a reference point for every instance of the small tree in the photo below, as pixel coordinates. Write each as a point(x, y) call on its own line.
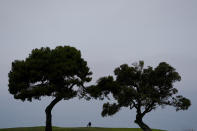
point(49, 72)
point(140, 88)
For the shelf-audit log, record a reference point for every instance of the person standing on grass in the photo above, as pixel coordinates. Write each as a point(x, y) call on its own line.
point(89, 124)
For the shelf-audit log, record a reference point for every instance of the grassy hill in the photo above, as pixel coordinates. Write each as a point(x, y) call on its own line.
point(73, 129)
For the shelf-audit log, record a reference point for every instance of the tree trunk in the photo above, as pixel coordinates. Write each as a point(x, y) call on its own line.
point(141, 124)
point(48, 113)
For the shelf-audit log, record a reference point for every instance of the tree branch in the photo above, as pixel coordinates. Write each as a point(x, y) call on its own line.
point(71, 86)
point(52, 104)
point(149, 108)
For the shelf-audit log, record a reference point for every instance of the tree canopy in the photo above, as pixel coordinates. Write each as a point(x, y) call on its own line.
point(141, 88)
point(59, 72)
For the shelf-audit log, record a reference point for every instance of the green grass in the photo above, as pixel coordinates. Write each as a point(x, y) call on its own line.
point(73, 129)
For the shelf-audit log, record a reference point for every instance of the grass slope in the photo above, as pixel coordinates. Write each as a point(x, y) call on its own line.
point(73, 129)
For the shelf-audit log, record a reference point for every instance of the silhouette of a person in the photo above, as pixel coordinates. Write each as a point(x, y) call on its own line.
point(89, 124)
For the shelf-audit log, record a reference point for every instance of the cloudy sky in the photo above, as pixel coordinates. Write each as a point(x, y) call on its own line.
point(108, 33)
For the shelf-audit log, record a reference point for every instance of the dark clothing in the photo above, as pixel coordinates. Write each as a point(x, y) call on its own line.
point(89, 124)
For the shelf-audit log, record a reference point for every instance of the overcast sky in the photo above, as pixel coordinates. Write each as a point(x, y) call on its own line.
point(108, 33)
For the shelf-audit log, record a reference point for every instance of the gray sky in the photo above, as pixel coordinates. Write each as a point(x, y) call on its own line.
point(108, 33)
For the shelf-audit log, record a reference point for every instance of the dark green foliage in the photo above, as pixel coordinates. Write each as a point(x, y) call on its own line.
point(141, 88)
point(49, 72)
point(59, 72)
point(110, 109)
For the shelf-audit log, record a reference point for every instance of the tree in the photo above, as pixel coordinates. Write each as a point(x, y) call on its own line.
point(141, 88)
point(60, 73)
